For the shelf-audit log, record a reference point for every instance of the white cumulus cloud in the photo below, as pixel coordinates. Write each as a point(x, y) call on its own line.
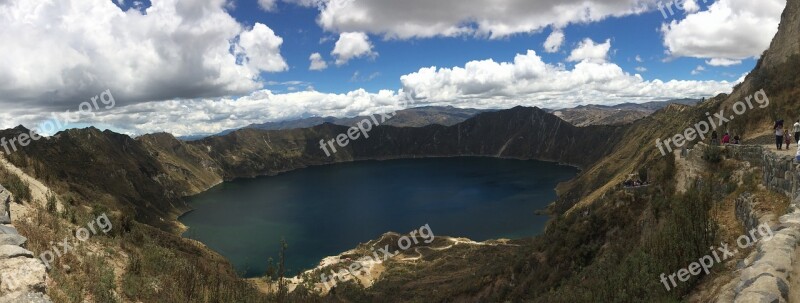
point(267, 5)
point(530, 81)
point(554, 41)
point(697, 70)
point(56, 54)
point(590, 51)
point(723, 62)
point(527, 81)
point(352, 45)
point(317, 63)
point(728, 30)
point(261, 47)
point(489, 18)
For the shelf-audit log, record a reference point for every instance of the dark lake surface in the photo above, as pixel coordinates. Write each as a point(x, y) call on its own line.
point(323, 211)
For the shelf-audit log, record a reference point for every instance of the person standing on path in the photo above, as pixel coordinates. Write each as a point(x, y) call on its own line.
point(787, 138)
point(779, 134)
point(796, 130)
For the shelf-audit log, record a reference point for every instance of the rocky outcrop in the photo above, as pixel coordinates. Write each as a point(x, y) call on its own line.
point(22, 277)
point(785, 43)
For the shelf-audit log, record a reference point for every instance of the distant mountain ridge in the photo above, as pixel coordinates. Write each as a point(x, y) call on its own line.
point(624, 113)
point(583, 115)
point(411, 117)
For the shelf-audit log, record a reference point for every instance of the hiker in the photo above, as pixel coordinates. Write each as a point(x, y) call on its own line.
point(787, 138)
point(779, 134)
point(726, 139)
point(714, 140)
point(737, 140)
point(796, 129)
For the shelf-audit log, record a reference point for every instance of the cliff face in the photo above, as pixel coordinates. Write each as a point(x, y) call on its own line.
point(786, 42)
point(775, 73)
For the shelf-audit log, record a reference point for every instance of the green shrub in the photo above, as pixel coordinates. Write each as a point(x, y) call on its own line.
point(713, 154)
point(20, 189)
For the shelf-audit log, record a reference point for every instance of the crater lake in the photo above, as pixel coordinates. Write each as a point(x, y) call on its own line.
point(325, 210)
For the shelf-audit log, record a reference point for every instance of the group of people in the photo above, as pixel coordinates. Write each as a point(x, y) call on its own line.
point(726, 139)
point(635, 183)
point(782, 135)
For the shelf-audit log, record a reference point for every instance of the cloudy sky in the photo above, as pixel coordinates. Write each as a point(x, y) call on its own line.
point(202, 66)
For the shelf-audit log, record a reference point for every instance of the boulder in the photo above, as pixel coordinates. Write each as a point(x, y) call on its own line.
point(25, 297)
point(9, 230)
point(22, 274)
point(13, 251)
point(765, 288)
point(6, 239)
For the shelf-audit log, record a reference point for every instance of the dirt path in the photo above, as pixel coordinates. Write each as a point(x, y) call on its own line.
point(685, 171)
point(794, 275)
point(792, 151)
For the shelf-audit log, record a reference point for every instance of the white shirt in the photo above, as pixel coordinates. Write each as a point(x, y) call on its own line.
point(797, 127)
point(779, 132)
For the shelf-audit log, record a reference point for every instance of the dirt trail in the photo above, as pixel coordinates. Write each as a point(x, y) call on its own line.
point(792, 151)
point(685, 171)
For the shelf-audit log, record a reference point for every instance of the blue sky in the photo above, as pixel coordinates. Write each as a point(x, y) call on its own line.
point(202, 66)
point(631, 36)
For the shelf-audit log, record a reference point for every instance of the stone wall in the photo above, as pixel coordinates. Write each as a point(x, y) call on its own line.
point(763, 276)
point(781, 173)
point(22, 277)
point(747, 214)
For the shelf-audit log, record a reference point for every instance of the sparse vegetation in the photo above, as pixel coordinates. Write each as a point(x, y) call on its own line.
point(18, 187)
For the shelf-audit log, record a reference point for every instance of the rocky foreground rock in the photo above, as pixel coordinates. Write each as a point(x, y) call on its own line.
point(5, 207)
point(22, 277)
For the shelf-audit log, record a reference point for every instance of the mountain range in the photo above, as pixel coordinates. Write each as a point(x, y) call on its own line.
point(448, 115)
point(605, 242)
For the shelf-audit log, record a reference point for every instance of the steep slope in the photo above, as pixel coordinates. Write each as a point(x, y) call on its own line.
point(104, 168)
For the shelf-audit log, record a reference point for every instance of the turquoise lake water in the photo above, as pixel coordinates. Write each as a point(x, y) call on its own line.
point(323, 211)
